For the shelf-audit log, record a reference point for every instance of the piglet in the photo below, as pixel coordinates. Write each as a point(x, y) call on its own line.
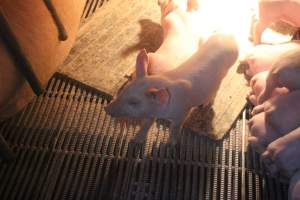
point(273, 119)
point(285, 72)
point(294, 187)
point(192, 5)
point(262, 56)
point(258, 84)
point(171, 95)
point(181, 37)
point(282, 155)
point(262, 133)
point(274, 11)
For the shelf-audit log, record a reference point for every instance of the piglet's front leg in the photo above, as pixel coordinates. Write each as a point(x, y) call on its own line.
point(262, 133)
point(176, 127)
point(142, 133)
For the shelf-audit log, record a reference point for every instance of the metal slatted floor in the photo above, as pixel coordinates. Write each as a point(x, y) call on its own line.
point(90, 7)
point(68, 148)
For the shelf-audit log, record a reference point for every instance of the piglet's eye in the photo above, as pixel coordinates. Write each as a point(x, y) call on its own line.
point(151, 95)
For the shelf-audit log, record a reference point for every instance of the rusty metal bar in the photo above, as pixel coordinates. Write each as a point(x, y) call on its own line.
point(62, 33)
point(19, 58)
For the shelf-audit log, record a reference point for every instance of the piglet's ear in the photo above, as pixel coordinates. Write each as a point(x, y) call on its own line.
point(142, 62)
point(160, 96)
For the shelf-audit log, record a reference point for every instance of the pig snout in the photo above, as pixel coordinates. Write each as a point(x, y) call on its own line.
point(111, 109)
point(116, 109)
point(108, 109)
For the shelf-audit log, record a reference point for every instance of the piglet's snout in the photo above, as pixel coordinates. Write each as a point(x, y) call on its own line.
point(109, 109)
point(113, 109)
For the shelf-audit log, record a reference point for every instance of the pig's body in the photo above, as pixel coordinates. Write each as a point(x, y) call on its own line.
point(193, 5)
point(294, 188)
point(181, 38)
point(262, 56)
point(282, 155)
point(285, 72)
point(261, 132)
point(282, 115)
point(172, 94)
point(209, 65)
point(273, 11)
point(257, 86)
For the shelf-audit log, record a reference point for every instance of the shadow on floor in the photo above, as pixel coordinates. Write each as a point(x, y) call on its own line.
point(150, 37)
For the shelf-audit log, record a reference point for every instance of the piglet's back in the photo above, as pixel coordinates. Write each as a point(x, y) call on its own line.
point(205, 70)
point(215, 57)
point(221, 47)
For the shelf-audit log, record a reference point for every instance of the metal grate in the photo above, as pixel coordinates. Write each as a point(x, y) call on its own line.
point(68, 148)
point(91, 7)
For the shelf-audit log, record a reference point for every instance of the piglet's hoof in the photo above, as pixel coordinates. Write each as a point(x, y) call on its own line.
point(258, 109)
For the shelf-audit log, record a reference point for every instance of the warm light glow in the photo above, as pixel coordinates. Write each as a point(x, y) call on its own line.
point(231, 16)
point(235, 17)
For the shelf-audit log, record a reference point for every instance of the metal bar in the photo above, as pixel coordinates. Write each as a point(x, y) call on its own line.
point(19, 58)
point(93, 159)
point(11, 177)
point(62, 33)
point(243, 155)
point(6, 152)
